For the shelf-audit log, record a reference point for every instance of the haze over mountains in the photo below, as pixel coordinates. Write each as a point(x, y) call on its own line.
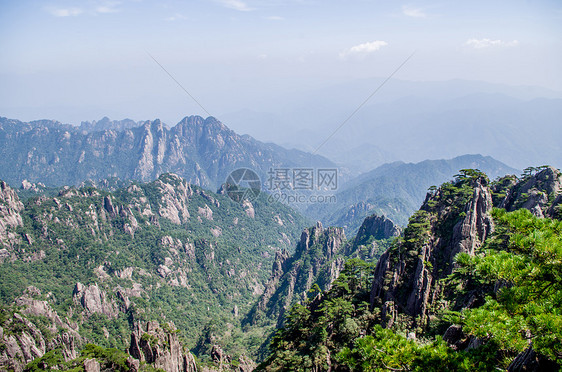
point(396, 190)
point(205, 151)
point(412, 121)
point(125, 253)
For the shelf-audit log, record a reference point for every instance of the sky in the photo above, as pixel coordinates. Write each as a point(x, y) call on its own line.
point(70, 60)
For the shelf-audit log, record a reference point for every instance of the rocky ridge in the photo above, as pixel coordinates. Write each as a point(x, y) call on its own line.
point(453, 219)
point(203, 151)
point(23, 340)
point(318, 260)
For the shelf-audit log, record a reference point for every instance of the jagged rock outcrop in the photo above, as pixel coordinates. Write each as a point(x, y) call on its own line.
point(366, 244)
point(406, 279)
point(94, 300)
point(541, 193)
point(24, 340)
point(160, 347)
point(477, 224)
point(10, 217)
point(318, 259)
point(174, 198)
point(378, 227)
point(530, 361)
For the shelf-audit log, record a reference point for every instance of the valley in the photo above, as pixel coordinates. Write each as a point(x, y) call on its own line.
point(133, 267)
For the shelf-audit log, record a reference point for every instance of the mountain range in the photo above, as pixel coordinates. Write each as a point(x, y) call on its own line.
point(204, 151)
point(130, 267)
point(396, 190)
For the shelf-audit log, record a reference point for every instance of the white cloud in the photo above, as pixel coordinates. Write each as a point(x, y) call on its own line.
point(236, 5)
point(413, 12)
point(176, 17)
point(102, 8)
point(487, 43)
point(65, 12)
point(364, 48)
point(275, 18)
point(106, 9)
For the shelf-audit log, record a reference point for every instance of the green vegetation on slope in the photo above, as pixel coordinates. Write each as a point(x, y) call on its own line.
point(516, 273)
point(206, 271)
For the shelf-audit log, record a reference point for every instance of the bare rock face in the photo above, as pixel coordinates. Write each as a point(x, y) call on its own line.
point(249, 208)
point(10, 217)
point(175, 194)
point(91, 365)
point(151, 150)
point(317, 259)
point(160, 347)
point(477, 224)
point(206, 212)
point(93, 300)
point(407, 278)
point(24, 340)
point(540, 193)
point(379, 227)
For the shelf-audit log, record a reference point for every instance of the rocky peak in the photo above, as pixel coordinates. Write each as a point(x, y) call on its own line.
point(159, 346)
point(456, 218)
point(378, 227)
point(540, 193)
point(10, 217)
point(94, 300)
point(318, 259)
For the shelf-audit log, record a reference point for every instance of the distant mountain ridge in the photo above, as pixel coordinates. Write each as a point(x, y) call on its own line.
point(107, 124)
point(413, 121)
point(203, 151)
point(397, 189)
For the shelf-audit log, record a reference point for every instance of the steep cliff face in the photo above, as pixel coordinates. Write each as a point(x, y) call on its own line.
point(10, 217)
point(318, 259)
point(159, 346)
point(540, 192)
point(31, 329)
point(455, 219)
point(94, 300)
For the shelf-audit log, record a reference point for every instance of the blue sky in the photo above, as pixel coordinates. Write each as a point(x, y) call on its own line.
point(80, 60)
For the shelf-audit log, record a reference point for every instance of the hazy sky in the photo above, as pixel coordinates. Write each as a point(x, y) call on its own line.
point(81, 60)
